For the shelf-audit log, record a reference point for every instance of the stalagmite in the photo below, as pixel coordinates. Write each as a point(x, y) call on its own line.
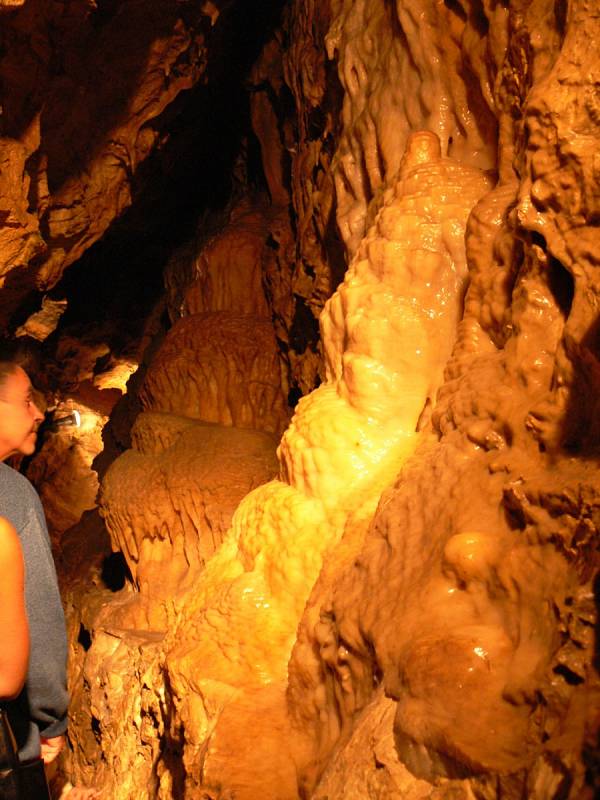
point(387, 333)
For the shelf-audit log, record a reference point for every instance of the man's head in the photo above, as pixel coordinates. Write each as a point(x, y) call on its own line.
point(20, 417)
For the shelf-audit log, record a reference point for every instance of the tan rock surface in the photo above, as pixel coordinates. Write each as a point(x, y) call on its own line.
point(63, 467)
point(219, 367)
point(43, 322)
point(372, 771)
point(341, 449)
point(20, 239)
point(75, 135)
point(62, 470)
point(168, 502)
point(225, 275)
point(459, 597)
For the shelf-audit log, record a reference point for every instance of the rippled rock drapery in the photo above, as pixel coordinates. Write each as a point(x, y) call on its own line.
point(212, 401)
point(407, 608)
point(219, 367)
point(477, 554)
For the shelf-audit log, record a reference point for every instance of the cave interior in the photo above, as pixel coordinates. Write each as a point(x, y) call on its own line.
point(318, 280)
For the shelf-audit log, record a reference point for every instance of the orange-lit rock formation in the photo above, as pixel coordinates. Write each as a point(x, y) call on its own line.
point(343, 446)
point(171, 498)
point(401, 600)
point(86, 88)
point(219, 367)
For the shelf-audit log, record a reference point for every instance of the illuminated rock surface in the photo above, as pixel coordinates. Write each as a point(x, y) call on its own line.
point(171, 498)
point(219, 367)
point(392, 595)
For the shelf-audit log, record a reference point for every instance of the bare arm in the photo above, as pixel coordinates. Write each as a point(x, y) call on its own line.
point(14, 630)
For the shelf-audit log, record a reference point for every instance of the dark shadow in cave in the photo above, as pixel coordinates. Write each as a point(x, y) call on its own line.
point(172, 743)
point(580, 420)
point(120, 277)
point(90, 67)
point(94, 61)
point(115, 572)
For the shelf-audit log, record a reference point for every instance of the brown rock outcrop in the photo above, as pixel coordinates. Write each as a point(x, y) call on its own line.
point(84, 90)
point(473, 571)
point(169, 501)
point(68, 485)
point(218, 367)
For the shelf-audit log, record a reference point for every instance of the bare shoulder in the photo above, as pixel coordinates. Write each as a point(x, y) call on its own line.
point(10, 545)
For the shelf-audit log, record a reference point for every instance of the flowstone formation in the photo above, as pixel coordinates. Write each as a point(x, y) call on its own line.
point(237, 613)
point(471, 604)
point(212, 404)
point(345, 443)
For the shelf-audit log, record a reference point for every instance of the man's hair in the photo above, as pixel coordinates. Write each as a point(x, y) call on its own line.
point(7, 368)
point(18, 353)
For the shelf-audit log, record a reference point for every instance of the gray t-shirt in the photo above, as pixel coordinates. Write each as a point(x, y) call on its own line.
point(41, 708)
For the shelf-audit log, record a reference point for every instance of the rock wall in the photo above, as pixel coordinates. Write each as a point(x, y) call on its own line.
point(84, 90)
point(399, 602)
